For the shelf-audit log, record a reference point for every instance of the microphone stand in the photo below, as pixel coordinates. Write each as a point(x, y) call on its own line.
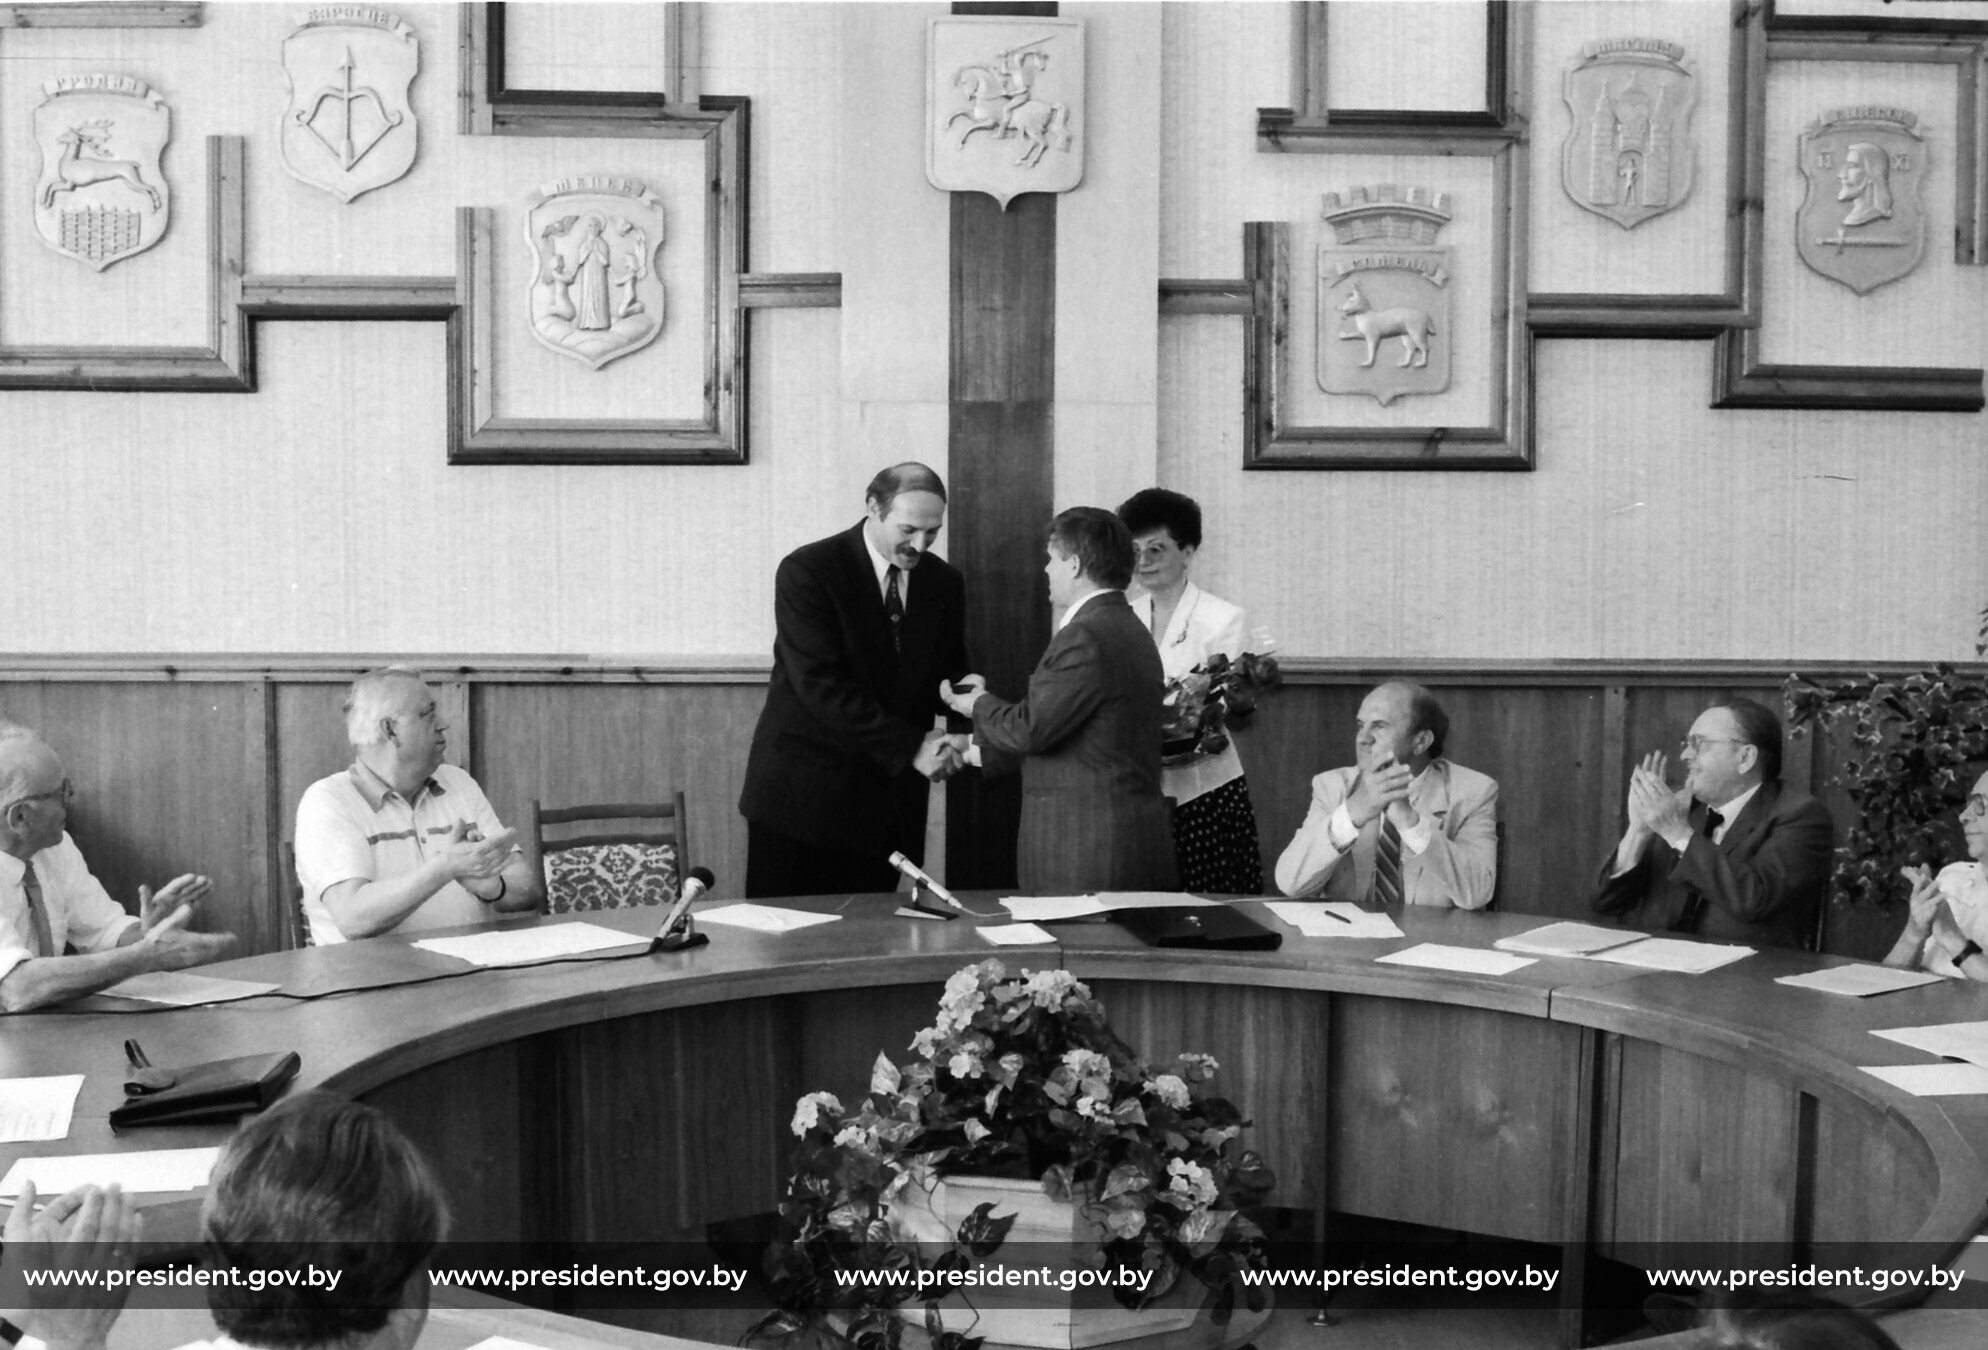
point(917, 908)
point(679, 936)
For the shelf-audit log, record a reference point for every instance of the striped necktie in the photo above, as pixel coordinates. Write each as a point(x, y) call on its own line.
point(894, 607)
point(1387, 865)
point(37, 911)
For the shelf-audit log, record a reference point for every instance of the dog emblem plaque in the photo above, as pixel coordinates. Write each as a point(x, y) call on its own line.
point(1383, 294)
point(101, 196)
point(1629, 155)
point(349, 127)
point(595, 294)
point(1004, 105)
point(1861, 222)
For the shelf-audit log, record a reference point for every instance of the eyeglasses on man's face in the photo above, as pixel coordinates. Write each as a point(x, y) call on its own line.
point(65, 793)
point(1696, 745)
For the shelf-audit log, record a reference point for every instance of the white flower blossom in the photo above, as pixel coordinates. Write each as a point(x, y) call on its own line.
point(1169, 1089)
point(1048, 988)
point(1087, 1064)
point(854, 1136)
point(1191, 1181)
point(965, 1064)
point(807, 1111)
point(1091, 1108)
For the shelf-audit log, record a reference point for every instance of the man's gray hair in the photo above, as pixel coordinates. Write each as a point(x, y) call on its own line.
point(13, 776)
point(373, 698)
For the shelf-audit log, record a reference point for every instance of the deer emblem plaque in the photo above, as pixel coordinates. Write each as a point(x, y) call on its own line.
point(1384, 295)
point(101, 196)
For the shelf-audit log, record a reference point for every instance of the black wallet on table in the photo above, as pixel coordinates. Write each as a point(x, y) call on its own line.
point(1213, 926)
point(219, 1091)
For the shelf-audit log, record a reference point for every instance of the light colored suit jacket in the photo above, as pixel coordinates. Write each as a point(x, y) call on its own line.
point(1459, 867)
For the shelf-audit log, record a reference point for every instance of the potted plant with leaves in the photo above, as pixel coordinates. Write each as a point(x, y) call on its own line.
point(1023, 1138)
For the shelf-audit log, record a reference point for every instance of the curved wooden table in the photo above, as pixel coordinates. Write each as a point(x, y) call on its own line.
point(1624, 1113)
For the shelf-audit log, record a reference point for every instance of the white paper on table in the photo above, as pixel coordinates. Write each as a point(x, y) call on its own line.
point(1110, 900)
point(1567, 939)
point(1950, 1040)
point(1675, 955)
point(1050, 908)
point(517, 946)
point(1934, 1080)
point(184, 991)
point(150, 1173)
point(1860, 981)
point(763, 918)
point(1016, 934)
point(1474, 960)
point(1315, 920)
point(504, 1343)
point(34, 1109)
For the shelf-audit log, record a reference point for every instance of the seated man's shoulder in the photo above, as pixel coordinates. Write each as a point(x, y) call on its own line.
point(1794, 804)
point(1467, 782)
point(1338, 780)
point(451, 779)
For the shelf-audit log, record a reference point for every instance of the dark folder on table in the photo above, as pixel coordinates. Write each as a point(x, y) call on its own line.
point(219, 1091)
point(1218, 927)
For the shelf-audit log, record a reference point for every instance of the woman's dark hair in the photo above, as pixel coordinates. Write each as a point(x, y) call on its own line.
point(1158, 509)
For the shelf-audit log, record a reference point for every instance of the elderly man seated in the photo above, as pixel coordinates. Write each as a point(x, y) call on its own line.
point(401, 841)
point(49, 901)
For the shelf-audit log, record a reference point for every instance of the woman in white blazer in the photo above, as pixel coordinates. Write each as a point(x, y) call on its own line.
point(1214, 825)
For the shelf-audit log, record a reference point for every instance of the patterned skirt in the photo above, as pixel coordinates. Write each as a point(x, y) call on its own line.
point(1214, 842)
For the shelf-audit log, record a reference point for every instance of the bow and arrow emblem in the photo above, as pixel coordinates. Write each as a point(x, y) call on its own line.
point(345, 97)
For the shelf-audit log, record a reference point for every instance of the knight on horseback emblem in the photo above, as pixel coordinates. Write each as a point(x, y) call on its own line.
point(1384, 327)
point(1005, 98)
point(101, 196)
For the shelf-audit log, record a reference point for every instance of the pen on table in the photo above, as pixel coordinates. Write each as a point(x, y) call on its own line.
point(1335, 914)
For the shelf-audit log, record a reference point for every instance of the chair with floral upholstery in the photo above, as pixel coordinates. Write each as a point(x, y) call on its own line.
point(612, 856)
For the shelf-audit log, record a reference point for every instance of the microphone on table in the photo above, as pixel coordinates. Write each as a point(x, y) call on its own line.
point(676, 931)
point(915, 908)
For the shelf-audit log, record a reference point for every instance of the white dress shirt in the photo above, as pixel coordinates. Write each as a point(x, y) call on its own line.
point(79, 909)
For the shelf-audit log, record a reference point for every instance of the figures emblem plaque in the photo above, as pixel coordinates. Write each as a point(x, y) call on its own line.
point(1861, 222)
point(349, 127)
point(1629, 155)
point(595, 293)
point(102, 195)
point(1383, 294)
point(1004, 105)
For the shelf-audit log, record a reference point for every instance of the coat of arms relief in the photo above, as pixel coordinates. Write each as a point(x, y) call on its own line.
point(1629, 155)
point(1004, 106)
point(1384, 294)
point(595, 295)
point(1861, 222)
point(102, 195)
point(349, 127)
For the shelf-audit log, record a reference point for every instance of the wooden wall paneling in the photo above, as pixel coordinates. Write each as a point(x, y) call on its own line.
point(224, 366)
point(840, 1033)
point(1001, 389)
point(488, 105)
point(1705, 1152)
point(1583, 1128)
point(697, 1100)
point(572, 744)
point(1737, 306)
point(310, 744)
point(1871, 1179)
point(475, 1119)
point(1271, 1045)
point(1300, 733)
point(1353, 131)
point(1451, 1116)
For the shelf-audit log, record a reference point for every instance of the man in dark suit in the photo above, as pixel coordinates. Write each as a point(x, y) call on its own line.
point(866, 624)
point(1732, 855)
point(1093, 817)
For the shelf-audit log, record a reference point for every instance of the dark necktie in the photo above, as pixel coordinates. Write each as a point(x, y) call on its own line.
point(37, 911)
point(894, 608)
point(1694, 903)
point(1387, 865)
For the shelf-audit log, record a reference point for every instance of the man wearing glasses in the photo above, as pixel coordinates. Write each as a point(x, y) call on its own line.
point(49, 902)
point(1733, 855)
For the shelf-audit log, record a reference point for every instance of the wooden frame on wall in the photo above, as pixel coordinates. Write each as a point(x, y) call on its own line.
point(487, 106)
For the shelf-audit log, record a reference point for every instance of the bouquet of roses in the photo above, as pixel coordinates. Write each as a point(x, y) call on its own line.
point(1203, 704)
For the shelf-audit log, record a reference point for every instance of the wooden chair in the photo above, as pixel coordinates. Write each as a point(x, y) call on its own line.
point(293, 889)
point(1497, 881)
point(639, 861)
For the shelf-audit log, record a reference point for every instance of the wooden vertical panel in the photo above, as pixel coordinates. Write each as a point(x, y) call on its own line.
point(1705, 1152)
point(1300, 732)
point(1001, 390)
point(1271, 1046)
point(1452, 1116)
point(464, 1114)
point(268, 886)
point(840, 1034)
point(1872, 1178)
point(1583, 1126)
point(452, 706)
point(311, 744)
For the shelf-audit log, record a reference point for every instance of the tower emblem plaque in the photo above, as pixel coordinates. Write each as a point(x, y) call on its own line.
point(1004, 105)
point(349, 127)
point(1861, 222)
point(1630, 155)
point(1384, 294)
point(102, 195)
point(594, 240)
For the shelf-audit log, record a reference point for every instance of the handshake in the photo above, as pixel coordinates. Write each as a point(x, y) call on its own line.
point(942, 755)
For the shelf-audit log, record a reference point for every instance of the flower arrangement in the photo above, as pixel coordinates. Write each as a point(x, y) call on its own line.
point(1020, 1078)
point(1201, 705)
